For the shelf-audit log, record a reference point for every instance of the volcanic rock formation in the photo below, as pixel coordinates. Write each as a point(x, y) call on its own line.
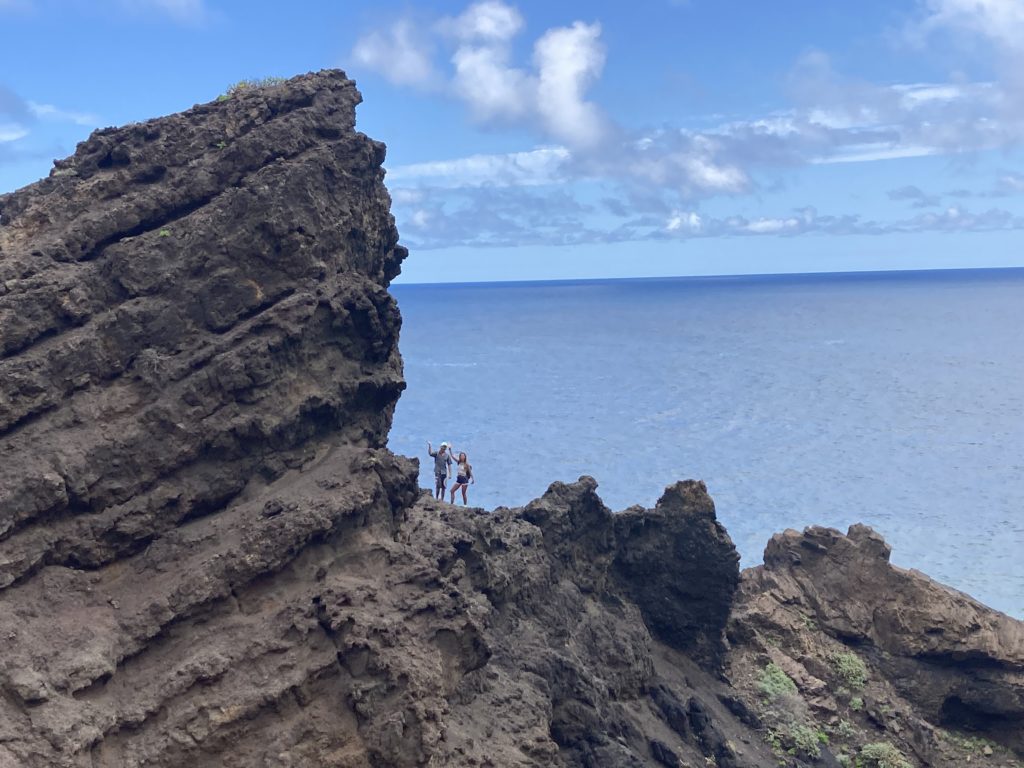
point(825, 605)
point(208, 556)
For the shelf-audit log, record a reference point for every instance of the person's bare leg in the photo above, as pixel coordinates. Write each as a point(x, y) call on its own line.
point(453, 494)
point(464, 489)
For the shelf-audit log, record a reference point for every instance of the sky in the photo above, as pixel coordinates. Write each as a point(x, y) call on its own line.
point(552, 140)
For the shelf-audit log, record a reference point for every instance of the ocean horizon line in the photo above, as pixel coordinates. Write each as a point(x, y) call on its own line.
point(748, 276)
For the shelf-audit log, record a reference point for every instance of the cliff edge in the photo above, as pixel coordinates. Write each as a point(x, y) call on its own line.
point(209, 557)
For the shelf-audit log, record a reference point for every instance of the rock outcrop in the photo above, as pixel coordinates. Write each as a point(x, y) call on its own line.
point(209, 557)
point(914, 657)
point(192, 310)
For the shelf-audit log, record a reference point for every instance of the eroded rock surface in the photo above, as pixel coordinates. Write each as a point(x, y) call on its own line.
point(208, 556)
point(192, 310)
point(877, 652)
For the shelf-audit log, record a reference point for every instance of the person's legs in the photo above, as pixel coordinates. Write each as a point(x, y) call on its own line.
point(455, 488)
point(439, 486)
point(465, 487)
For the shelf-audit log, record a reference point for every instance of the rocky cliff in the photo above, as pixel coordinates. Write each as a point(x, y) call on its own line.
point(208, 556)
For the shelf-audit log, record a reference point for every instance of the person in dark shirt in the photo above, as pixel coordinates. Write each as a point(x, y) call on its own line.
point(442, 467)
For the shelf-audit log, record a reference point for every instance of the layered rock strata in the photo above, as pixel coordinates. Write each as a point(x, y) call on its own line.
point(209, 557)
point(914, 657)
point(192, 309)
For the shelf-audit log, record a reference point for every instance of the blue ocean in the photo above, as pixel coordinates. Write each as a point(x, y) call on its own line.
point(893, 399)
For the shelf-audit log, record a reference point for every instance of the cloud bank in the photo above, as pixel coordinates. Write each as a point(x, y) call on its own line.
point(548, 93)
point(653, 181)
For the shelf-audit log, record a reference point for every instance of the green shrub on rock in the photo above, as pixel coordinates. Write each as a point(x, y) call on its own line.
point(881, 755)
point(850, 669)
point(844, 729)
point(773, 682)
point(806, 740)
point(245, 85)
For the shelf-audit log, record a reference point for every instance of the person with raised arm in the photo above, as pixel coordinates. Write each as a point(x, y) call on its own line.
point(442, 467)
point(463, 476)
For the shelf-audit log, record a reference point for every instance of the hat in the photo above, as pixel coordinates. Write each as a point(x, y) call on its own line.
point(444, 445)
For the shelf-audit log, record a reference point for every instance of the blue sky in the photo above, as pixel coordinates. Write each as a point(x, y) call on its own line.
point(537, 140)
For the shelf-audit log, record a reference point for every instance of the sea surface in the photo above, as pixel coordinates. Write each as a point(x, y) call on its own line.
point(893, 399)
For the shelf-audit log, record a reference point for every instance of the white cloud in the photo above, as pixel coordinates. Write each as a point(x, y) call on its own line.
point(491, 21)
point(771, 226)
point(689, 221)
point(568, 61)
point(550, 94)
point(11, 132)
point(485, 217)
point(492, 89)
point(406, 196)
point(1009, 184)
point(545, 165)
point(1001, 21)
point(399, 53)
point(873, 151)
point(995, 29)
point(48, 111)
point(651, 182)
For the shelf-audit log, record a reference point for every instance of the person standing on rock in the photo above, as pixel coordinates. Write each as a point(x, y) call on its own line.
point(463, 477)
point(442, 467)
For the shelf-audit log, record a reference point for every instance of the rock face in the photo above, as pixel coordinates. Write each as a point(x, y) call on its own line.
point(209, 557)
point(520, 646)
point(192, 310)
point(914, 656)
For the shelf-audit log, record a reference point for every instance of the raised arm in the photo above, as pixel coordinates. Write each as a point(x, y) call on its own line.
point(430, 449)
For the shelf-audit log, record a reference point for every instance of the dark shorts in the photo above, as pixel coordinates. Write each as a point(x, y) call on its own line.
point(460, 480)
point(440, 479)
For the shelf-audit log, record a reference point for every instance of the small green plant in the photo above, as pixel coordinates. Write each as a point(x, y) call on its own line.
point(976, 744)
point(808, 622)
point(249, 85)
point(164, 233)
point(710, 761)
point(844, 760)
point(856, 703)
point(221, 144)
point(773, 682)
point(806, 740)
point(850, 669)
point(844, 729)
point(881, 755)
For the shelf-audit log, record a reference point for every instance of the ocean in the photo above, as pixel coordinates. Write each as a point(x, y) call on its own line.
point(893, 399)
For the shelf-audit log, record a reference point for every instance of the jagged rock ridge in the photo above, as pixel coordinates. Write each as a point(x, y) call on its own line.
point(209, 557)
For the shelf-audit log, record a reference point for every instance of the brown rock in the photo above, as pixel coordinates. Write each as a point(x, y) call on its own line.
point(208, 556)
point(958, 662)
